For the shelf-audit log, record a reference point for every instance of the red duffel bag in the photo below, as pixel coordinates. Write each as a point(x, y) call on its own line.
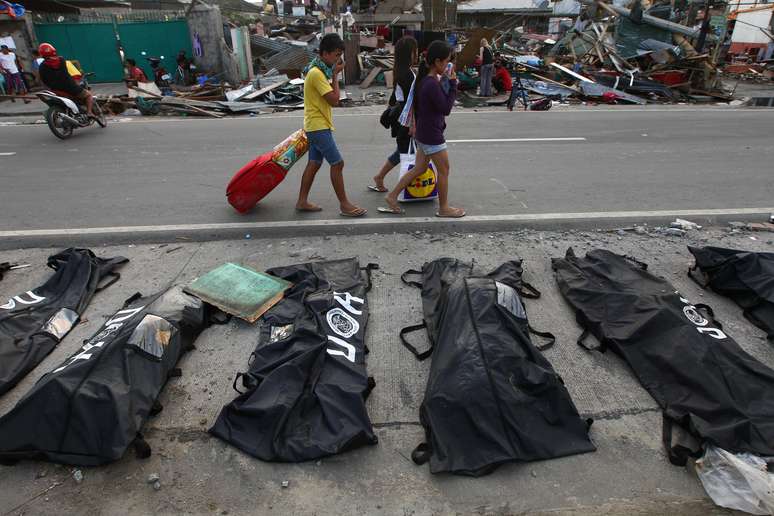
point(253, 182)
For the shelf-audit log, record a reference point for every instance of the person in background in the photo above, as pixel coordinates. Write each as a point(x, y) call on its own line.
point(321, 92)
point(10, 67)
point(405, 57)
point(431, 106)
point(36, 60)
point(487, 65)
point(54, 74)
point(183, 75)
point(134, 72)
point(502, 81)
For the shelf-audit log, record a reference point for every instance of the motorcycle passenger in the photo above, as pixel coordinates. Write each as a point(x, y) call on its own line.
point(53, 73)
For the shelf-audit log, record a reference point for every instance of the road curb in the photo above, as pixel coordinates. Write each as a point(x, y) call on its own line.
point(20, 239)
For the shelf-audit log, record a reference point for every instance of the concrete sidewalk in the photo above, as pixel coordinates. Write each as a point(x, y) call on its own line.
point(201, 475)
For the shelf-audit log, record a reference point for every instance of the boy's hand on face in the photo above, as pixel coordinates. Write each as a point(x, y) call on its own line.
point(339, 67)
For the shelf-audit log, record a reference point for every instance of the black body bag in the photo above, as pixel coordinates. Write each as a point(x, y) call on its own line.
point(707, 385)
point(491, 396)
point(88, 410)
point(306, 386)
point(745, 277)
point(33, 323)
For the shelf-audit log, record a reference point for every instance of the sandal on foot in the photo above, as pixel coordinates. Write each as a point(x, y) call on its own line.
point(357, 213)
point(375, 188)
point(392, 211)
point(456, 215)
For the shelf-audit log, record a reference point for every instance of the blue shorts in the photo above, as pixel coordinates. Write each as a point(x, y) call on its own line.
point(429, 150)
point(322, 145)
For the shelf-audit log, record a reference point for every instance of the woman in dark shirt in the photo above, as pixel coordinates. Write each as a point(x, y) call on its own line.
point(487, 66)
point(432, 104)
point(405, 58)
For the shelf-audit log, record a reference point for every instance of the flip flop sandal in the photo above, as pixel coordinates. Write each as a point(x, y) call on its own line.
point(356, 213)
point(397, 211)
point(377, 189)
point(458, 216)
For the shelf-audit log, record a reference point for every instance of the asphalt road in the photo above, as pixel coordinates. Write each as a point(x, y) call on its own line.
point(165, 172)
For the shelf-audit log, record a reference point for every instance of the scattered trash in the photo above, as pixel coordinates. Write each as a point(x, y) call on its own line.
point(684, 224)
point(153, 477)
point(285, 483)
point(78, 476)
point(736, 481)
point(670, 231)
point(761, 226)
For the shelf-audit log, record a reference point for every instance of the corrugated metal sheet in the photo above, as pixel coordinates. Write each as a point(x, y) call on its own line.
point(293, 58)
point(267, 45)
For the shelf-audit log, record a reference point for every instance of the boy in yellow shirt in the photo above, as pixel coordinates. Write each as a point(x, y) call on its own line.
point(321, 92)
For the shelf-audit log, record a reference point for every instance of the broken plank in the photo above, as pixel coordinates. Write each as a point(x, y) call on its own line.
point(265, 90)
point(370, 77)
point(571, 73)
point(546, 79)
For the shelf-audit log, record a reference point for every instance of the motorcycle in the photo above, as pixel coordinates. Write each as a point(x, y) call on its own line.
point(64, 114)
point(160, 75)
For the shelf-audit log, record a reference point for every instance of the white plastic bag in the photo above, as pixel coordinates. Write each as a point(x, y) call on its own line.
point(424, 187)
point(739, 481)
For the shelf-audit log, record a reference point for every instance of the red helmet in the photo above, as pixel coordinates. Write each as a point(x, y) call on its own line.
point(46, 50)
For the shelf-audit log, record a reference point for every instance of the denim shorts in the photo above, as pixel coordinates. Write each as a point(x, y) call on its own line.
point(429, 150)
point(402, 148)
point(322, 145)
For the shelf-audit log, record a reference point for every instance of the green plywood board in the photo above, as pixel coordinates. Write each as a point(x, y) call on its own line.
point(239, 290)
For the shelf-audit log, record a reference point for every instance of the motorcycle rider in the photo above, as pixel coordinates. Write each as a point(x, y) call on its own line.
point(53, 73)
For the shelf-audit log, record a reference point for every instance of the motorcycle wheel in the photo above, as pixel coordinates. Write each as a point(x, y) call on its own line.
point(59, 128)
point(101, 120)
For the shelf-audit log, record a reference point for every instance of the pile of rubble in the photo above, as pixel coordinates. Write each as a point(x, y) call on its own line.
point(614, 54)
point(268, 93)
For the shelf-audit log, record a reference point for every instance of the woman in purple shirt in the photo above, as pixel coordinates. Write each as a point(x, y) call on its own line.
point(431, 106)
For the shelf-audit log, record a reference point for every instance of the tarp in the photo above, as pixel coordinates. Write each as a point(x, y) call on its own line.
point(745, 277)
point(89, 409)
point(34, 322)
point(703, 380)
point(491, 396)
point(306, 386)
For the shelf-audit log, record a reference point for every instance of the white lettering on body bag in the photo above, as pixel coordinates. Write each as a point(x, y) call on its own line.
point(98, 341)
point(343, 324)
point(701, 323)
point(33, 300)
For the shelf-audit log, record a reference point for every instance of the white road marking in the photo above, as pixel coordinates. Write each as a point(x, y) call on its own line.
point(384, 221)
point(720, 109)
point(501, 140)
point(7, 153)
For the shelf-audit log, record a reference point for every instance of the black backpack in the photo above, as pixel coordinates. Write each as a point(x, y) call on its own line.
point(34, 322)
point(91, 408)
